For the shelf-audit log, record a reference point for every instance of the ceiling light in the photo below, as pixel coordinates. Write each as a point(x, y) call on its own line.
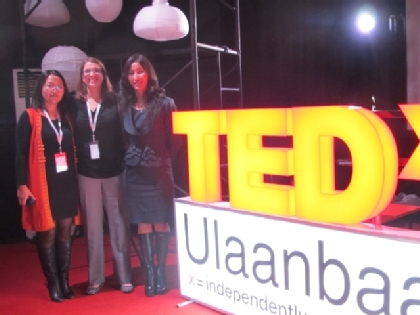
point(48, 13)
point(104, 11)
point(160, 22)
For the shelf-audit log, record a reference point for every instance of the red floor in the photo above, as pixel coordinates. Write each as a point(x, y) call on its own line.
point(22, 289)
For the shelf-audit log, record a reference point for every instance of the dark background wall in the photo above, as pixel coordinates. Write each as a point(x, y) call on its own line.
point(294, 52)
point(309, 52)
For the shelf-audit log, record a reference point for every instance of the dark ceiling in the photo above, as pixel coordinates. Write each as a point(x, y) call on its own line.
point(294, 52)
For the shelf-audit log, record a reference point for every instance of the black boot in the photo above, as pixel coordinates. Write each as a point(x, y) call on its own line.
point(147, 259)
point(162, 242)
point(63, 264)
point(48, 264)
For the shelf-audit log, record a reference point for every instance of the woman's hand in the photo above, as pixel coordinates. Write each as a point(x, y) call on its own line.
point(23, 193)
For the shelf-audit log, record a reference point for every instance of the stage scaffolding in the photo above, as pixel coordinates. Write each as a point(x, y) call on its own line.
point(195, 46)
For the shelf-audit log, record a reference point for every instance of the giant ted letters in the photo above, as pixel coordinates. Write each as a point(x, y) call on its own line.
point(310, 160)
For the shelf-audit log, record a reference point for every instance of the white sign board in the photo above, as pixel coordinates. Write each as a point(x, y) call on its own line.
point(244, 263)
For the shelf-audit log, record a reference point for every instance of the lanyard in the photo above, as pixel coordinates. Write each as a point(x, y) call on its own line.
point(92, 122)
point(59, 132)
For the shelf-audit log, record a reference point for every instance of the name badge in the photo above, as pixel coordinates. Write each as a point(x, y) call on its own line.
point(94, 150)
point(61, 162)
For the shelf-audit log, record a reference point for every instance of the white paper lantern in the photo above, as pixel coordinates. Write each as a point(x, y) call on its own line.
point(104, 10)
point(48, 13)
point(67, 60)
point(160, 22)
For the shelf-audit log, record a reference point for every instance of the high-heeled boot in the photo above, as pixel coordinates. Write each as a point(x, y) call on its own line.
point(63, 264)
point(147, 258)
point(48, 264)
point(162, 242)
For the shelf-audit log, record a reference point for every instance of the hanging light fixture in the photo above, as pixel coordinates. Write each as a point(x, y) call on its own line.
point(104, 11)
point(48, 13)
point(160, 22)
point(67, 60)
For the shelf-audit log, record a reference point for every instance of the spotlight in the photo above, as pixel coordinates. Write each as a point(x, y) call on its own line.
point(365, 23)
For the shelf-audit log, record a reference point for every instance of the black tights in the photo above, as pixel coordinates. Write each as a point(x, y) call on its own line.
point(61, 232)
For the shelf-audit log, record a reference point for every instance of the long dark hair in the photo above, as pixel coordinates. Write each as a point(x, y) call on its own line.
point(106, 86)
point(126, 94)
point(38, 99)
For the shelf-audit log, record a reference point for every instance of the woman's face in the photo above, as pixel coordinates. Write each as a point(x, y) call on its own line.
point(138, 77)
point(53, 89)
point(92, 75)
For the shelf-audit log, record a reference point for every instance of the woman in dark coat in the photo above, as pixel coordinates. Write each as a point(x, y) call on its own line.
point(149, 184)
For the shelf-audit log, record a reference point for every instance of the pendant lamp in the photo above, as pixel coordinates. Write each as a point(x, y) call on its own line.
point(48, 13)
point(67, 60)
point(160, 22)
point(104, 11)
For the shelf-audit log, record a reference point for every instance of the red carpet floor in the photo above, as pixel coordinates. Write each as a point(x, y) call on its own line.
point(22, 289)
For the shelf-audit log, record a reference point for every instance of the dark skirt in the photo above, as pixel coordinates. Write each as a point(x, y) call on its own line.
point(149, 194)
point(63, 192)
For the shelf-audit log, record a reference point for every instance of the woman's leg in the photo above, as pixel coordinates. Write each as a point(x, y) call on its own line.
point(63, 250)
point(118, 230)
point(146, 256)
point(90, 190)
point(162, 244)
point(47, 258)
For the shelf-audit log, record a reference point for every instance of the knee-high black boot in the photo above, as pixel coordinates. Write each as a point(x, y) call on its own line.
point(147, 258)
point(49, 267)
point(63, 264)
point(162, 242)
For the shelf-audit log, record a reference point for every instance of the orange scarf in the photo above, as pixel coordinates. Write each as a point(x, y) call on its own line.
point(38, 217)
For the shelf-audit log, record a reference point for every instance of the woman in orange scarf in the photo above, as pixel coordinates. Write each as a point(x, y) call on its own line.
point(47, 180)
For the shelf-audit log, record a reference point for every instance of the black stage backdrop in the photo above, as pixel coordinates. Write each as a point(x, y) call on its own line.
point(294, 52)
